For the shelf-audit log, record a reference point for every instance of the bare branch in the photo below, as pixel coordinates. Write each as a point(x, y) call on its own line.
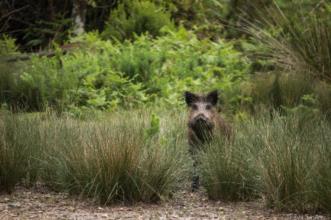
point(13, 12)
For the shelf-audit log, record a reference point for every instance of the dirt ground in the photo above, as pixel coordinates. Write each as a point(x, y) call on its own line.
point(40, 203)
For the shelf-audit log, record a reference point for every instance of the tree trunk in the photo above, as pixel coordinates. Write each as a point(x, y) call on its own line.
point(78, 15)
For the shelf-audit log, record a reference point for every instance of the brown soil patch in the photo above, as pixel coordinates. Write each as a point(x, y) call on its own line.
point(40, 203)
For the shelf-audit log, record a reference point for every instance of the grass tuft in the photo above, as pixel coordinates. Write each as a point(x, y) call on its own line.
point(19, 150)
point(114, 159)
point(284, 159)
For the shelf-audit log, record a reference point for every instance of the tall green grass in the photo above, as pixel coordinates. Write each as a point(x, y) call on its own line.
point(226, 171)
point(139, 156)
point(284, 159)
point(297, 43)
point(20, 149)
point(115, 159)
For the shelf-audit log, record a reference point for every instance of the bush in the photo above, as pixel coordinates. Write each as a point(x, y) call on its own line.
point(65, 82)
point(7, 46)
point(135, 18)
point(9, 71)
point(205, 18)
point(105, 75)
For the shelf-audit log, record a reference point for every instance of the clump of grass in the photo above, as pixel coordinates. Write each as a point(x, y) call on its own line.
point(114, 160)
point(323, 93)
point(19, 150)
point(138, 156)
point(287, 162)
point(123, 157)
point(226, 172)
point(299, 42)
point(283, 159)
point(281, 90)
point(298, 45)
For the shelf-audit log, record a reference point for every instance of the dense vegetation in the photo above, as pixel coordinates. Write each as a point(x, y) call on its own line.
point(106, 75)
point(133, 156)
point(282, 159)
point(106, 78)
point(94, 158)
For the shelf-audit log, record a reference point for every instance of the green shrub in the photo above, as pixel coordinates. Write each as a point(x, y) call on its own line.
point(9, 71)
point(105, 75)
point(205, 18)
point(135, 18)
point(167, 66)
point(7, 46)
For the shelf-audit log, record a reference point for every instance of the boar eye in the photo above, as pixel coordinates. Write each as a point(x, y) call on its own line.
point(195, 107)
point(208, 106)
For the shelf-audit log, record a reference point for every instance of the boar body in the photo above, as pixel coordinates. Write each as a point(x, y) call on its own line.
point(204, 124)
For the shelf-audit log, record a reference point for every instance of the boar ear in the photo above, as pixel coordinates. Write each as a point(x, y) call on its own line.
point(190, 98)
point(212, 97)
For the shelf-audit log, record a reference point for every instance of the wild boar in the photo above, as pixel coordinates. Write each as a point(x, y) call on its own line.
point(204, 123)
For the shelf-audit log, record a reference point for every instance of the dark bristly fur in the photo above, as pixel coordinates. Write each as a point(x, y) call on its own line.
point(204, 123)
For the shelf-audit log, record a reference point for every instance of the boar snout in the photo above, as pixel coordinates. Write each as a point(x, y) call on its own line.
point(201, 122)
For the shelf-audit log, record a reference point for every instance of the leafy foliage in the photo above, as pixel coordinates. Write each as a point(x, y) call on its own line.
point(9, 72)
point(7, 45)
point(105, 75)
point(135, 18)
